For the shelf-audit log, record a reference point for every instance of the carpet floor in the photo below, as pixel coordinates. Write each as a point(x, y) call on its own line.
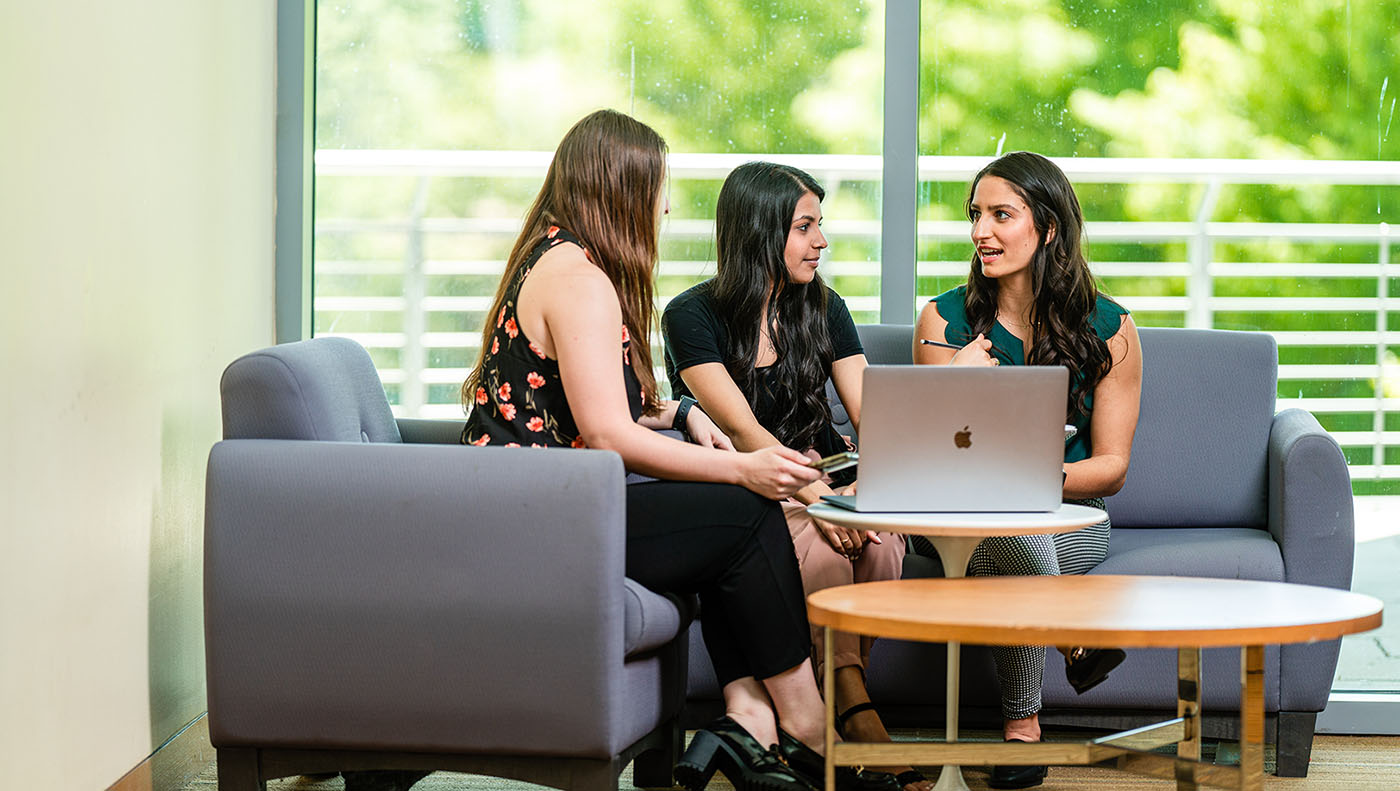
point(1339, 763)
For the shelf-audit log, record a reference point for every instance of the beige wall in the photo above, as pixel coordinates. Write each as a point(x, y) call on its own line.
point(136, 260)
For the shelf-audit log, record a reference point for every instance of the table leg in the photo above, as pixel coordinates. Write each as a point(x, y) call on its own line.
point(1252, 718)
point(829, 693)
point(954, 693)
point(1188, 707)
point(955, 552)
point(950, 778)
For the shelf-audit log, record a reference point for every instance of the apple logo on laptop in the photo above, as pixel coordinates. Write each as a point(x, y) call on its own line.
point(963, 439)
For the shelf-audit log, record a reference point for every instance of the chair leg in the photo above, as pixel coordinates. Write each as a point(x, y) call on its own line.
point(238, 770)
point(1295, 738)
point(594, 775)
point(652, 769)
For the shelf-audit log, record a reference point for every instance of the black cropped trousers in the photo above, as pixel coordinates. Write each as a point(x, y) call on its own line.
point(732, 548)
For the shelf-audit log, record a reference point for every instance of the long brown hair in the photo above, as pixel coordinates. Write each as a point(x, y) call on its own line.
point(603, 186)
point(1064, 294)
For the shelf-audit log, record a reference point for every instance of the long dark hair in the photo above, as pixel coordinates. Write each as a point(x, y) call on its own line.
point(603, 186)
point(752, 220)
point(1063, 291)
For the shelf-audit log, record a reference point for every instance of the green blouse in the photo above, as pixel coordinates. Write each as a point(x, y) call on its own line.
point(1106, 319)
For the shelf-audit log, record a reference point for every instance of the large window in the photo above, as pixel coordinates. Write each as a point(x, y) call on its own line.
point(1236, 163)
point(436, 120)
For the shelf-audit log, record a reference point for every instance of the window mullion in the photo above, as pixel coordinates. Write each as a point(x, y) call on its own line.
point(899, 193)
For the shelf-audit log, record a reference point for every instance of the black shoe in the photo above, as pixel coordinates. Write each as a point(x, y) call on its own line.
point(1086, 668)
point(726, 747)
point(1016, 776)
point(810, 766)
point(383, 779)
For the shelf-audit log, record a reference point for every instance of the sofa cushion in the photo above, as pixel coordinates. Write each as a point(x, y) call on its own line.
point(1201, 448)
point(887, 344)
point(650, 620)
point(1245, 553)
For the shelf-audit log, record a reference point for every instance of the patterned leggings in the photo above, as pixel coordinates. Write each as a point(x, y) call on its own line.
point(1020, 667)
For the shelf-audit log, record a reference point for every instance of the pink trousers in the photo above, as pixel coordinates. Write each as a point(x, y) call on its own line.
point(823, 567)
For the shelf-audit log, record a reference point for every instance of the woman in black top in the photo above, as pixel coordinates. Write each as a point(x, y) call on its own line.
point(756, 346)
point(565, 361)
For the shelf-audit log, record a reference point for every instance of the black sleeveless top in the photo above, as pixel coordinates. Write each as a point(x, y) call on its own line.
point(520, 401)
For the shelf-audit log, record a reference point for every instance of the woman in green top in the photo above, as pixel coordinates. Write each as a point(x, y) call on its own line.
point(1031, 299)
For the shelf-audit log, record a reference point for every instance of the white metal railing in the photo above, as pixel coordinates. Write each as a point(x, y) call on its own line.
point(414, 377)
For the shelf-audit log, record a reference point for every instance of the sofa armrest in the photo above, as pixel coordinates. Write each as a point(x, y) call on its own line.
point(429, 431)
point(1311, 518)
point(1310, 502)
point(446, 590)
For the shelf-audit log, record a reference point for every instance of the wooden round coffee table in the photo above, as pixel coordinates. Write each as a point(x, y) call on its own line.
point(1187, 613)
point(955, 535)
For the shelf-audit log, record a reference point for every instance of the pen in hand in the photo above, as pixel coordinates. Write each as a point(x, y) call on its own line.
point(928, 342)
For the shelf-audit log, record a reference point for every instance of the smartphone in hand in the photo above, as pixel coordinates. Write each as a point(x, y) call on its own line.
point(837, 461)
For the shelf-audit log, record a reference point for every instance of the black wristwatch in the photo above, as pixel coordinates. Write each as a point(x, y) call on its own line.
point(682, 414)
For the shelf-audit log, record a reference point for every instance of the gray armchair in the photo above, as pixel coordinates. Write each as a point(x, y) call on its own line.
point(377, 601)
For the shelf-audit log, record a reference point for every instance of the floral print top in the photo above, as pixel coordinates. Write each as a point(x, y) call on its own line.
point(520, 401)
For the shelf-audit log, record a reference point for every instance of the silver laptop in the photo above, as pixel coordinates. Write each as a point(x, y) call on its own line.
point(952, 438)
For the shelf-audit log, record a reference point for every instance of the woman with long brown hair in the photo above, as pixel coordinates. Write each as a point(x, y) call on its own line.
point(566, 361)
point(1030, 299)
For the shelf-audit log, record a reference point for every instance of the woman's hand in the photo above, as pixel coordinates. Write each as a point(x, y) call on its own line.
point(844, 540)
point(775, 472)
point(866, 536)
point(704, 432)
point(978, 352)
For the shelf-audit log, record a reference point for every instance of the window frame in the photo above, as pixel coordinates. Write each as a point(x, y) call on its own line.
point(296, 141)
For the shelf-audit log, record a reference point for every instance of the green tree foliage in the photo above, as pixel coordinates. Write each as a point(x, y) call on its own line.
point(727, 73)
point(1162, 78)
point(1308, 80)
point(1302, 80)
point(999, 75)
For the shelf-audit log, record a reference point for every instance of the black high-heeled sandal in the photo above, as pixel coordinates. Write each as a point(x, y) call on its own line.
point(903, 778)
point(725, 746)
point(843, 717)
point(1086, 668)
point(810, 766)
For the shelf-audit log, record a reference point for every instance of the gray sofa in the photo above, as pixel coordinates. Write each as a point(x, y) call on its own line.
point(375, 599)
point(1219, 486)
